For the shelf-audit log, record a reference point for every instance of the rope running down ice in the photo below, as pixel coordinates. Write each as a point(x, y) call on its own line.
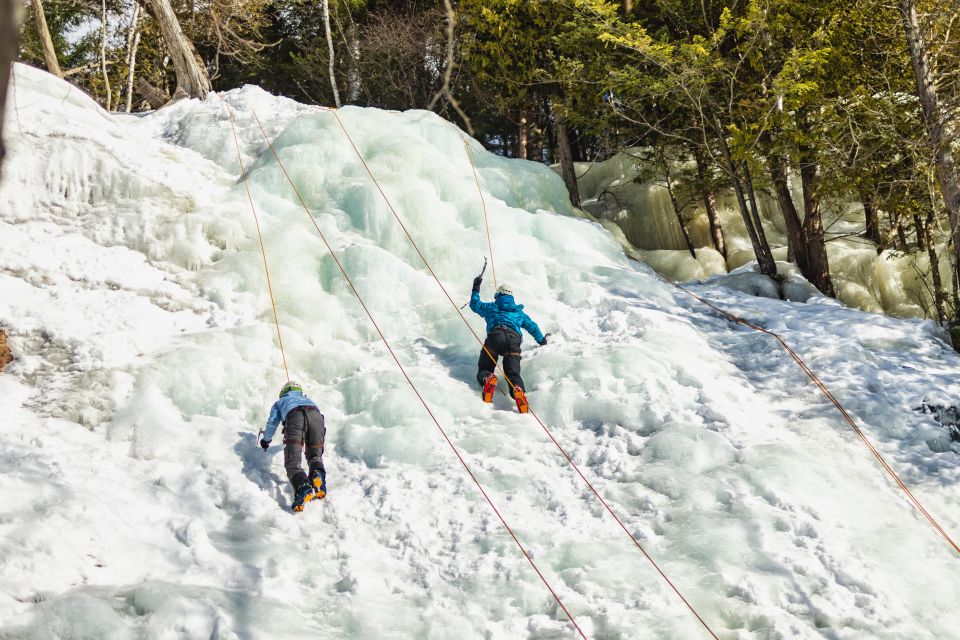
point(413, 386)
point(483, 202)
point(829, 395)
point(512, 387)
point(843, 412)
point(263, 253)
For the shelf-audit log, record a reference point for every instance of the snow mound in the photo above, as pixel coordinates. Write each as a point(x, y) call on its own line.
point(791, 285)
point(133, 294)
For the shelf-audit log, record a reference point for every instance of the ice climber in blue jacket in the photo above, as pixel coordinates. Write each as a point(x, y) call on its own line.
point(505, 318)
point(303, 424)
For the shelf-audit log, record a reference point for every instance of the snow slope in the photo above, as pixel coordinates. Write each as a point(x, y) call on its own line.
point(136, 503)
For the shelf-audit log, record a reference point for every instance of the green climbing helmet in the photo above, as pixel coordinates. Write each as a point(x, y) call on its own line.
point(290, 386)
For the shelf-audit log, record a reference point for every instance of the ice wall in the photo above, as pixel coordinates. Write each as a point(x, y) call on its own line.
point(133, 293)
point(890, 283)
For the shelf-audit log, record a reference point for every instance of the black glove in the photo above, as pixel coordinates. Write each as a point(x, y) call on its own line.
point(265, 444)
point(544, 341)
point(476, 283)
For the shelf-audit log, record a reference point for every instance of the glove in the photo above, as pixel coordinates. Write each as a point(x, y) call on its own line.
point(476, 283)
point(265, 444)
point(544, 341)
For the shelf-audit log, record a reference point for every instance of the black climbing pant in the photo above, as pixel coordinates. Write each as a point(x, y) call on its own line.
point(501, 342)
point(304, 426)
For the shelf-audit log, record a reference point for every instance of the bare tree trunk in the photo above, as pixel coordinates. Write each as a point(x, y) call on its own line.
point(448, 69)
point(10, 16)
point(354, 81)
point(192, 79)
point(813, 226)
point(934, 267)
point(710, 204)
point(43, 32)
point(896, 223)
point(955, 286)
point(326, 30)
point(676, 209)
point(133, 41)
point(918, 230)
point(103, 54)
point(523, 134)
point(155, 97)
point(540, 135)
point(872, 230)
point(762, 252)
point(755, 208)
point(935, 121)
point(565, 158)
point(797, 243)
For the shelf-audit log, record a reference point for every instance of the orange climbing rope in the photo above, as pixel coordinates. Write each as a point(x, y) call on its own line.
point(833, 399)
point(433, 417)
point(263, 252)
point(513, 388)
point(483, 202)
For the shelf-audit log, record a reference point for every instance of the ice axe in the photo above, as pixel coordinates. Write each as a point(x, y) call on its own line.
point(482, 271)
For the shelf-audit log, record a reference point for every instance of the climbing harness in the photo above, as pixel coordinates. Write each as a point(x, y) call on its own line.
point(403, 371)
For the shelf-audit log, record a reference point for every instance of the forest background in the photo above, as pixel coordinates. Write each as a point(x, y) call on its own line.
point(808, 102)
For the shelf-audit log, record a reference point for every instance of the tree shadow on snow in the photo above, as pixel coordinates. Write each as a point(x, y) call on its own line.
point(257, 466)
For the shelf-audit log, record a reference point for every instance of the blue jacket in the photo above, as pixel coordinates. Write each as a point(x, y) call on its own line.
point(504, 312)
point(280, 409)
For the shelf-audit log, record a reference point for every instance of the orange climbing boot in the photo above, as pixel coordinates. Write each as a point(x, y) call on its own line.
point(489, 388)
point(318, 478)
point(522, 405)
point(301, 496)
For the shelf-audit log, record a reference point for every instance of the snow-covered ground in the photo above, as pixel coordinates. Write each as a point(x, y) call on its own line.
point(136, 503)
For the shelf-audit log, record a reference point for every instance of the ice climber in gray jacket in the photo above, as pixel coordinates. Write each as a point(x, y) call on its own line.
point(303, 425)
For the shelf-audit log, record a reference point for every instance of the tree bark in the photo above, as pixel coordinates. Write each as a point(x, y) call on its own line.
point(10, 14)
point(955, 287)
point(43, 32)
point(565, 158)
point(354, 81)
point(813, 225)
point(332, 63)
point(755, 208)
point(934, 267)
point(872, 230)
point(710, 205)
point(791, 218)
point(676, 210)
point(918, 230)
point(192, 78)
point(935, 121)
point(896, 222)
point(155, 97)
point(523, 135)
point(133, 42)
point(451, 62)
point(107, 91)
point(761, 250)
